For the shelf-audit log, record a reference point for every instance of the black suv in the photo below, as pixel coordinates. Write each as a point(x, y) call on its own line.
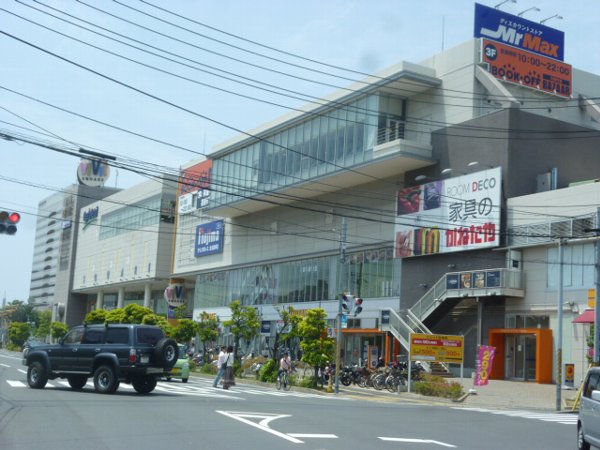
point(136, 354)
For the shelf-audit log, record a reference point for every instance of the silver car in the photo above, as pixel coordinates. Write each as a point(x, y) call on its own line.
point(588, 424)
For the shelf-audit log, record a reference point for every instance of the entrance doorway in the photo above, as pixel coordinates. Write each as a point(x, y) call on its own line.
point(520, 357)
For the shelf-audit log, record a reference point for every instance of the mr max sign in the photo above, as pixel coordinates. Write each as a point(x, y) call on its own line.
point(456, 214)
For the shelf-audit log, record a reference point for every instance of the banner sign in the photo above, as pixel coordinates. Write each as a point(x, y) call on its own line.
point(196, 177)
point(461, 213)
point(209, 238)
point(436, 347)
point(527, 69)
point(485, 359)
point(500, 26)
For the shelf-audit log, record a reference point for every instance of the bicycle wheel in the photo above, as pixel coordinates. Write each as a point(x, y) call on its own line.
point(391, 383)
point(278, 383)
point(286, 383)
point(379, 381)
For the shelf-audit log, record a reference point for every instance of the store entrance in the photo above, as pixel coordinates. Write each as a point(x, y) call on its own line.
point(520, 357)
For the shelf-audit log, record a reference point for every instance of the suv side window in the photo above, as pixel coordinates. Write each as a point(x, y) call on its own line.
point(93, 336)
point(117, 336)
point(149, 335)
point(73, 336)
point(591, 384)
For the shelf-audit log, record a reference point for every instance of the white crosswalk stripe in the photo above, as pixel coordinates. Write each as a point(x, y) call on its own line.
point(563, 418)
point(197, 388)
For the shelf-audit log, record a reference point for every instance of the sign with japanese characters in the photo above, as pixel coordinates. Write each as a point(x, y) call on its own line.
point(513, 65)
point(437, 347)
point(500, 26)
point(209, 238)
point(461, 213)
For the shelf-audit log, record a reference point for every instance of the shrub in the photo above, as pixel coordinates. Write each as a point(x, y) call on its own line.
point(208, 368)
point(434, 386)
point(268, 372)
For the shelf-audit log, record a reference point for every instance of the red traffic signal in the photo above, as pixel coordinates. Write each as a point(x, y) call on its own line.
point(357, 306)
point(8, 222)
point(346, 299)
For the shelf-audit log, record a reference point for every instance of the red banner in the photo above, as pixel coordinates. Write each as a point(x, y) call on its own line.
point(485, 360)
point(528, 69)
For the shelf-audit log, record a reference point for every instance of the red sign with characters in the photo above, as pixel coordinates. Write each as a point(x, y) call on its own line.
point(528, 69)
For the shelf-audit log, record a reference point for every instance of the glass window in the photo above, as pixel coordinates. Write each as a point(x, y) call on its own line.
point(93, 336)
point(117, 335)
point(73, 336)
point(149, 335)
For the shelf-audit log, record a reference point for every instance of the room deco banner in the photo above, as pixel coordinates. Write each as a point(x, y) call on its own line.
point(461, 213)
point(527, 69)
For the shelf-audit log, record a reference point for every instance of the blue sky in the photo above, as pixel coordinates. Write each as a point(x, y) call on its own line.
point(365, 36)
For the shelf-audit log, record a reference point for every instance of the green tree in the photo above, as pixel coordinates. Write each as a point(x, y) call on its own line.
point(134, 313)
point(22, 312)
point(208, 330)
point(181, 312)
point(185, 330)
point(244, 324)
point(318, 349)
point(19, 332)
point(116, 315)
point(159, 321)
point(288, 330)
point(43, 329)
point(58, 330)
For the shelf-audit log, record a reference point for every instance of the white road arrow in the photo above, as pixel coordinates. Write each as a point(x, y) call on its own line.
point(417, 441)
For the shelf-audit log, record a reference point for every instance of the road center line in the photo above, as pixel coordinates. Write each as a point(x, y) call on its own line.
point(308, 435)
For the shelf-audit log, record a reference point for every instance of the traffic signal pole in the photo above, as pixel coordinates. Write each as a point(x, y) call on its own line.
point(339, 336)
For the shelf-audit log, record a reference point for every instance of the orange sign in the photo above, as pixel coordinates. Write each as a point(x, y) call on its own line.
point(591, 298)
point(437, 347)
point(528, 69)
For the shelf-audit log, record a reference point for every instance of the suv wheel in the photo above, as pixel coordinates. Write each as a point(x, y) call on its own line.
point(166, 353)
point(144, 385)
point(581, 442)
point(77, 381)
point(36, 375)
point(105, 380)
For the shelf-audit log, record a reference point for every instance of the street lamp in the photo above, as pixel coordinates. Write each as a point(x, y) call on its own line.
point(533, 8)
point(505, 1)
point(555, 16)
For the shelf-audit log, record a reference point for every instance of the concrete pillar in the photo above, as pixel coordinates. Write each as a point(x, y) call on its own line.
point(147, 294)
point(121, 297)
point(100, 300)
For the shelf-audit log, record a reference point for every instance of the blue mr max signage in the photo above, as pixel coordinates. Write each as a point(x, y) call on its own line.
point(513, 30)
point(209, 238)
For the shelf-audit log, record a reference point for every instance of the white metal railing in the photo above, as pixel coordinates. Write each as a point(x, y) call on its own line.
point(401, 331)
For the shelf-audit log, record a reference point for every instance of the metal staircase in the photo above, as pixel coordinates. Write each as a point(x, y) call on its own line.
point(455, 285)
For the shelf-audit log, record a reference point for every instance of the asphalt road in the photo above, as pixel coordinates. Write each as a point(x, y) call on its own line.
point(249, 417)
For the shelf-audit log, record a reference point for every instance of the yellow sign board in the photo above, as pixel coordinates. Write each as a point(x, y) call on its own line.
point(591, 298)
point(437, 347)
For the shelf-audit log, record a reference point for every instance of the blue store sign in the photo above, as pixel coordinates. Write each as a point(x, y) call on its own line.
point(209, 238)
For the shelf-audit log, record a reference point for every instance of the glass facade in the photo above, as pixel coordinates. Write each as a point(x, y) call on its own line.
point(324, 144)
point(368, 273)
point(578, 266)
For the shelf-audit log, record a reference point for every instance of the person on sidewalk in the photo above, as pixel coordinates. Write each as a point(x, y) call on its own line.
point(228, 379)
point(221, 359)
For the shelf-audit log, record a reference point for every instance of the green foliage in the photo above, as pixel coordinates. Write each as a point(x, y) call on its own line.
point(22, 312)
point(96, 316)
point(208, 328)
point(159, 321)
point(18, 333)
point(208, 368)
point(43, 329)
point(318, 349)
point(434, 386)
point(185, 330)
point(135, 313)
point(181, 312)
point(116, 315)
point(244, 323)
point(289, 329)
point(268, 372)
point(308, 382)
point(58, 330)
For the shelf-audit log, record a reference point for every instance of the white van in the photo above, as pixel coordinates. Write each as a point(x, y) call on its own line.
point(588, 424)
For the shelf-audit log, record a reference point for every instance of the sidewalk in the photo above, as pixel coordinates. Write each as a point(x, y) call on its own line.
point(498, 394)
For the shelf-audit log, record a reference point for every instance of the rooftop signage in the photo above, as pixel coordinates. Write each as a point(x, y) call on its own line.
point(456, 214)
point(93, 172)
point(509, 29)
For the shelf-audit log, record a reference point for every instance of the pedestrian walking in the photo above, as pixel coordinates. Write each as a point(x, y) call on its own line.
point(221, 362)
point(228, 379)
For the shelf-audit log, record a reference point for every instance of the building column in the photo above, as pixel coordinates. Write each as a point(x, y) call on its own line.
point(100, 300)
point(121, 297)
point(147, 294)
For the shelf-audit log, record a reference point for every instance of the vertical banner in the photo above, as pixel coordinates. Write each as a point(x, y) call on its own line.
point(485, 359)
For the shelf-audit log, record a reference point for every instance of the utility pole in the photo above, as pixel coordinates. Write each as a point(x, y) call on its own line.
point(339, 336)
point(559, 338)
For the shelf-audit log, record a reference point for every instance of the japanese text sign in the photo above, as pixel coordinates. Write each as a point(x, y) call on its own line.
point(437, 347)
point(527, 69)
point(485, 359)
point(461, 213)
point(500, 26)
point(209, 238)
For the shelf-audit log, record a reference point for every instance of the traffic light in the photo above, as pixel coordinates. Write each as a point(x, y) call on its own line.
point(8, 222)
point(346, 302)
point(357, 306)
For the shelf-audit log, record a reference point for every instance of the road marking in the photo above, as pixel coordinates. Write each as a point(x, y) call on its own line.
point(263, 424)
point(4, 365)
point(562, 418)
point(22, 371)
point(15, 383)
point(417, 441)
point(313, 435)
